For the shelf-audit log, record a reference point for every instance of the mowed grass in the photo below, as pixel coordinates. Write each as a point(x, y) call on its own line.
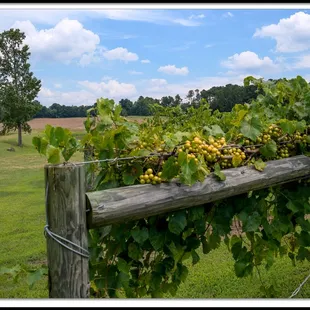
point(22, 219)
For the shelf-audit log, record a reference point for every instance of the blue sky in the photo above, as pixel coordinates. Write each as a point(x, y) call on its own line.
point(81, 55)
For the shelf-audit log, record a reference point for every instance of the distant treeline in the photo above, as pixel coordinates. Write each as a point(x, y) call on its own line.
point(222, 98)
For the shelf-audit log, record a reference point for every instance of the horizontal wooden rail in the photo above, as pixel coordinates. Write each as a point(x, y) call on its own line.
point(140, 201)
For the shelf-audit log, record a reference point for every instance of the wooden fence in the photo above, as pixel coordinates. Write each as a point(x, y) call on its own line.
point(71, 211)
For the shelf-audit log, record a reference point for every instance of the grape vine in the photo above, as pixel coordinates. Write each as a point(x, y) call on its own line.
point(146, 257)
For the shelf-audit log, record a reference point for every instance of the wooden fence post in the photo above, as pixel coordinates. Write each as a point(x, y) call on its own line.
point(68, 271)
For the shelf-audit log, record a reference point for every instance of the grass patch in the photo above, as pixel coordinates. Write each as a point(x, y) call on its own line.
point(22, 219)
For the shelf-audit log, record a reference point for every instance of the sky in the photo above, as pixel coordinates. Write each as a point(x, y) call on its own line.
point(82, 55)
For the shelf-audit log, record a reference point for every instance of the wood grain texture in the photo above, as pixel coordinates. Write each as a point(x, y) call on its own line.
point(141, 201)
point(65, 206)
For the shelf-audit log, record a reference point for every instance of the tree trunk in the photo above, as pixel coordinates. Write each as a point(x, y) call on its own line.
point(20, 142)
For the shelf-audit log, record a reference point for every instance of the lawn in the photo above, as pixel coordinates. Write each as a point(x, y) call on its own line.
point(22, 240)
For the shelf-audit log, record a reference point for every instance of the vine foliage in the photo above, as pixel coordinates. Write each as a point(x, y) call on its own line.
point(147, 257)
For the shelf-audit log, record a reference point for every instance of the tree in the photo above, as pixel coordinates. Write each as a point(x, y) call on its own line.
point(177, 100)
point(167, 101)
point(18, 86)
point(190, 96)
point(126, 107)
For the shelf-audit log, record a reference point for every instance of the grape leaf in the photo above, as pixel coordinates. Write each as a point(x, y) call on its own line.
point(140, 235)
point(214, 130)
point(157, 238)
point(53, 155)
point(170, 169)
point(252, 222)
point(131, 173)
point(196, 213)
point(177, 222)
point(269, 149)
point(259, 164)
point(35, 276)
point(40, 144)
point(195, 257)
point(122, 265)
point(251, 128)
point(288, 127)
point(217, 171)
point(134, 251)
point(188, 172)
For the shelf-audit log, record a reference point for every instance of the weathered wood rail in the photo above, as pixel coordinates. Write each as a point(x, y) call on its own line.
point(138, 201)
point(67, 205)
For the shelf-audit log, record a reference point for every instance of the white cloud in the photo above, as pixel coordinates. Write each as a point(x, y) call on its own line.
point(291, 34)
point(57, 85)
point(246, 61)
point(200, 16)
point(133, 72)
point(302, 63)
point(111, 89)
point(151, 16)
point(228, 14)
point(67, 41)
point(209, 45)
point(173, 70)
point(120, 53)
point(82, 97)
point(145, 61)
point(89, 94)
point(157, 88)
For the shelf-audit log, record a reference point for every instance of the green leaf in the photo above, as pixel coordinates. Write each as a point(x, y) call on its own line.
point(252, 222)
point(157, 239)
point(170, 169)
point(243, 269)
point(182, 272)
point(303, 254)
point(269, 149)
point(60, 135)
point(177, 222)
point(176, 250)
point(236, 160)
point(293, 207)
point(259, 164)
point(304, 239)
point(214, 130)
point(123, 280)
point(131, 173)
point(35, 276)
point(251, 128)
point(288, 127)
point(195, 257)
point(134, 251)
point(40, 144)
point(53, 155)
point(188, 170)
point(217, 171)
point(196, 213)
point(122, 265)
point(140, 235)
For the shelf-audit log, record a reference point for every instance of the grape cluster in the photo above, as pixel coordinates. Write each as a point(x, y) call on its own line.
point(150, 178)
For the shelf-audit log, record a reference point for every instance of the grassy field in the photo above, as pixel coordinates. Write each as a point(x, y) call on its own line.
point(22, 241)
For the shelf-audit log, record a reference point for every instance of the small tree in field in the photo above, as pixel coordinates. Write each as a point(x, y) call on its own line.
point(18, 86)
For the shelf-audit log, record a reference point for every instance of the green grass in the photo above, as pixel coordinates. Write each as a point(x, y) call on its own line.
point(22, 241)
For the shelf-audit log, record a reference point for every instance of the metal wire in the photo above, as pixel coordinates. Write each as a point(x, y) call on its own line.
point(299, 287)
point(116, 159)
point(55, 236)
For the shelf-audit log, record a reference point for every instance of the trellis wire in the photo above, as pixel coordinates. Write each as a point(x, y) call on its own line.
point(57, 237)
point(299, 287)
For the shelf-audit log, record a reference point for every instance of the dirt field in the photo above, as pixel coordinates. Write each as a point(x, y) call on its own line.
point(74, 123)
